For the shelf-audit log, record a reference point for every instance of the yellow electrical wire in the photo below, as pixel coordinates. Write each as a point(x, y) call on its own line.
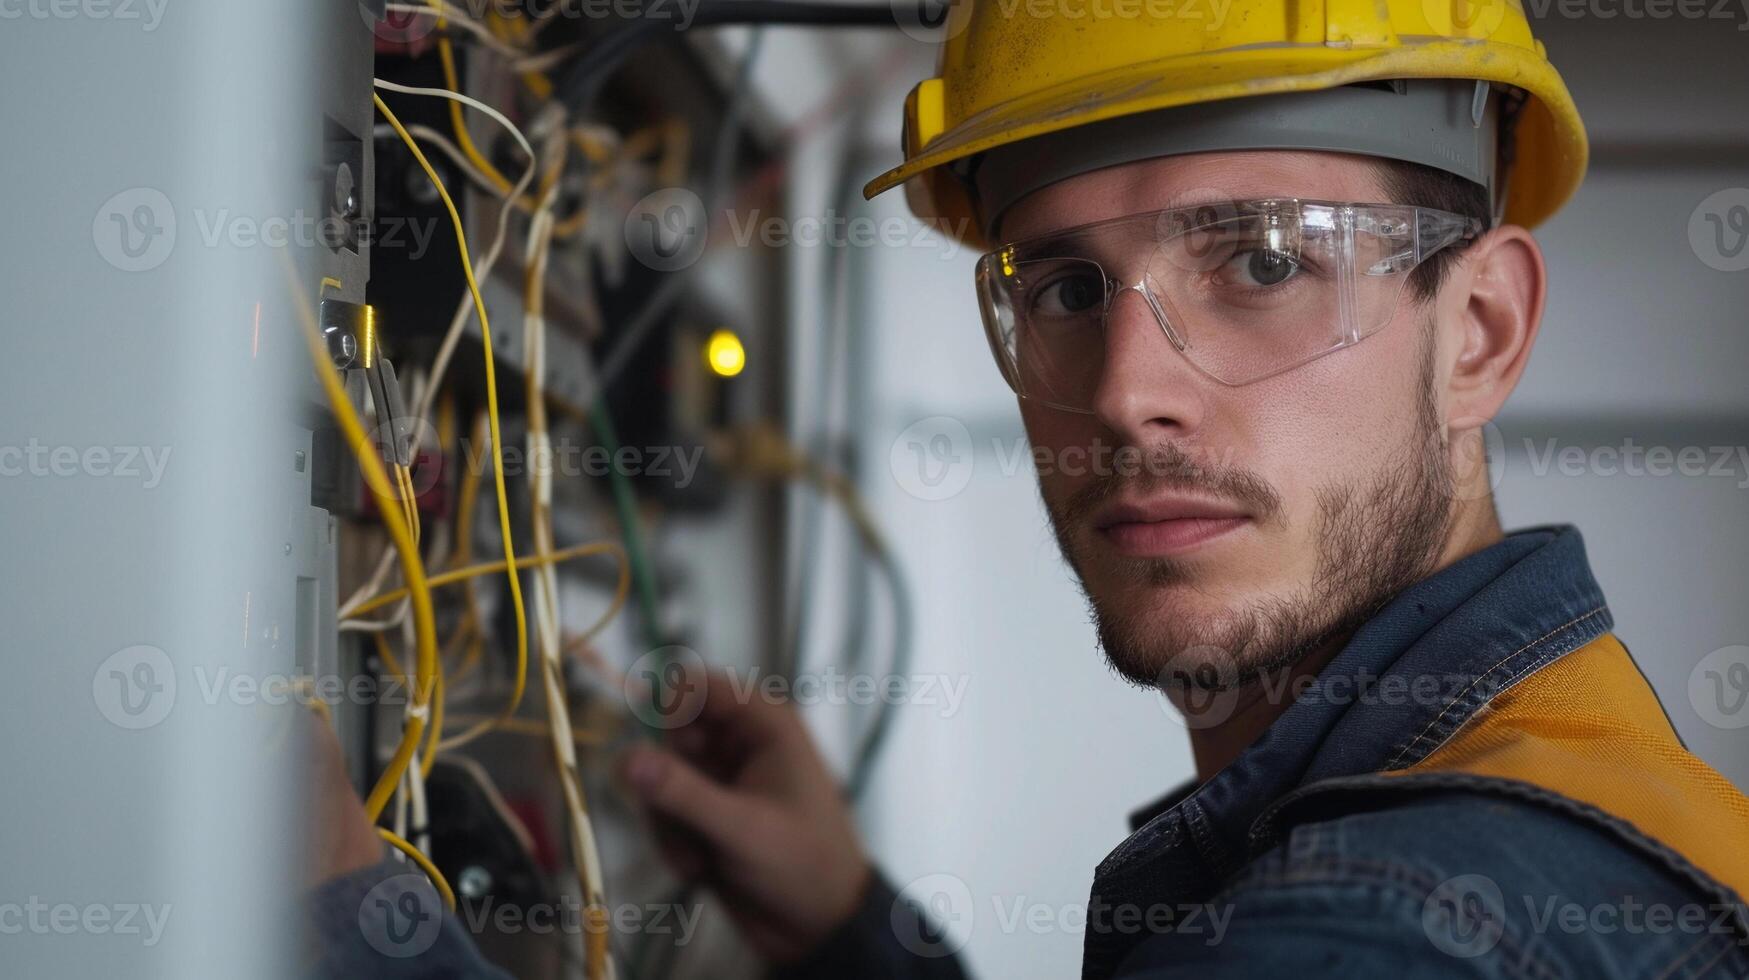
point(459, 122)
point(540, 729)
point(516, 32)
point(393, 596)
point(436, 744)
point(465, 631)
point(409, 498)
point(433, 731)
point(463, 551)
point(412, 565)
point(386, 655)
point(464, 140)
point(491, 413)
point(433, 742)
point(400, 844)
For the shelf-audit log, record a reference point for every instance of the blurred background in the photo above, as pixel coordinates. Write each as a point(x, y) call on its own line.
point(820, 472)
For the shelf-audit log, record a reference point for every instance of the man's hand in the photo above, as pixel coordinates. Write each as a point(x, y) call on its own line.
point(343, 837)
point(742, 801)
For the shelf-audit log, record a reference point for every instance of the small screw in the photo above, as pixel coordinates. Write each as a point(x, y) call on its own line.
point(419, 187)
point(473, 882)
point(346, 192)
point(342, 347)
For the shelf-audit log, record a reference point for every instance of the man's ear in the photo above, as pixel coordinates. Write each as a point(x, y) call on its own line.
point(1496, 305)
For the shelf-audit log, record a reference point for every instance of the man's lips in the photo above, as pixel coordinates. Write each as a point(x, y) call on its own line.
point(1166, 526)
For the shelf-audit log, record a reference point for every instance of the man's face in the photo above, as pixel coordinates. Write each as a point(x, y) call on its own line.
point(1239, 528)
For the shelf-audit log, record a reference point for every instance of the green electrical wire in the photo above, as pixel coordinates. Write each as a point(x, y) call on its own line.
point(626, 507)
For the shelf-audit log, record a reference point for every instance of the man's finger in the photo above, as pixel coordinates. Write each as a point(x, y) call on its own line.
point(747, 709)
point(682, 848)
point(670, 786)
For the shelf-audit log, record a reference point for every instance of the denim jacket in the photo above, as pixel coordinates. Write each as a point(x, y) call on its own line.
point(1439, 801)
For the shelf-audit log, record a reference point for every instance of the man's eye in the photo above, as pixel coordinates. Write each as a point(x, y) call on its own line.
point(1069, 294)
point(1261, 267)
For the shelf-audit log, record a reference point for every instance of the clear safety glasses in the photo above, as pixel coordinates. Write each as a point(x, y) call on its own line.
point(1243, 289)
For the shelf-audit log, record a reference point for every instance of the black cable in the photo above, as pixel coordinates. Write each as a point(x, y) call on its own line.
point(582, 80)
point(647, 958)
point(899, 592)
point(819, 443)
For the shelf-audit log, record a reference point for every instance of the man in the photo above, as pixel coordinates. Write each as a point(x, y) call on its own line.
point(1277, 273)
point(1274, 275)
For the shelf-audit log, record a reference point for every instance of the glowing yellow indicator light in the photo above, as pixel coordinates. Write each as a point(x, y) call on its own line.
point(1007, 263)
point(724, 353)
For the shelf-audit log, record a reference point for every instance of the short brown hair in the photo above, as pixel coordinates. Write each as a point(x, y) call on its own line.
point(1426, 187)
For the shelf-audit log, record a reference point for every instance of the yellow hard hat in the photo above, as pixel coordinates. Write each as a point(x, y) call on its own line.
point(1015, 69)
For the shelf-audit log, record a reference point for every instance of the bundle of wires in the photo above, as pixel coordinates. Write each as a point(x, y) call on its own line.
point(582, 70)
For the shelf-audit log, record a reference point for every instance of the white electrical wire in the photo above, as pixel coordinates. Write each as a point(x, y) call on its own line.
point(546, 607)
point(547, 613)
point(421, 813)
point(462, 20)
point(429, 135)
point(546, 60)
point(370, 625)
point(467, 100)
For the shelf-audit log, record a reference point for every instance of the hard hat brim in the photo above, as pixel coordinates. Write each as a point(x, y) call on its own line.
point(1550, 146)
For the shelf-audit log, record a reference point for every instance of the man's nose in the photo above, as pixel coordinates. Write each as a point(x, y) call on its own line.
point(1147, 389)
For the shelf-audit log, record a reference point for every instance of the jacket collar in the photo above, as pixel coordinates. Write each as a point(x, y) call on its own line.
point(1404, 682)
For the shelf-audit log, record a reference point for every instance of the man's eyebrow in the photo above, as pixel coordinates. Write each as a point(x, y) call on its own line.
point(1192, 200)
point(1100, 236)
point(1051, 245)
